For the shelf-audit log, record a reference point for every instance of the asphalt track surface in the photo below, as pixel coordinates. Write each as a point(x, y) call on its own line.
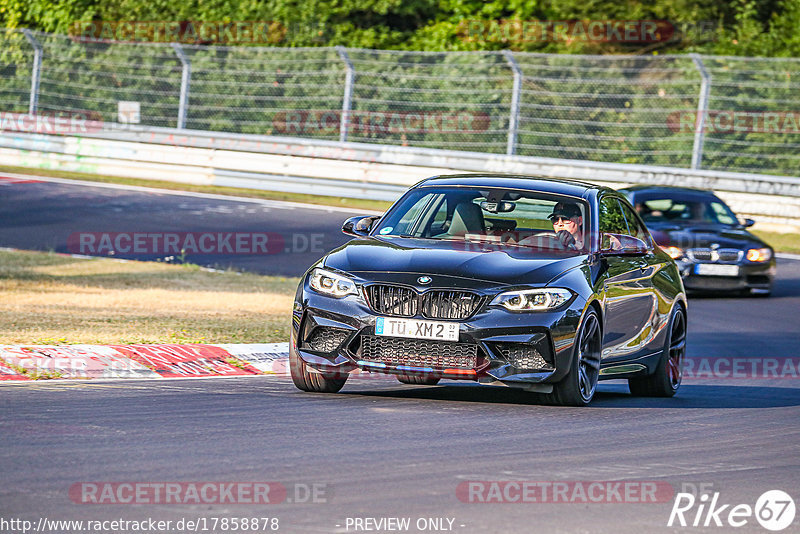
point(53, 215)
point(380, 449)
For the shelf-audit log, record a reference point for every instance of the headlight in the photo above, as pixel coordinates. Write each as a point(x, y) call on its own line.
point(533, 299)
point(759, 254)
point(674, 252)
point(332, 284)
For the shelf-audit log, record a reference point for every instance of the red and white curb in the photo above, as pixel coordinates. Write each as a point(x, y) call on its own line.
point(18, 179)
point(32, 362)
point(167, 361)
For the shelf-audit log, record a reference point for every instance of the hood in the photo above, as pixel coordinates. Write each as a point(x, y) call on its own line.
point(703, 235)
point(510, 265)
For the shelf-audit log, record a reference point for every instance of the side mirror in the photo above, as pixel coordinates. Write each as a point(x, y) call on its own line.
point(622, 245)
point(359, 226)
point(747, 223)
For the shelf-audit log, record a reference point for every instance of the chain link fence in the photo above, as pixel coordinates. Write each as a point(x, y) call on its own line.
point(709, 112)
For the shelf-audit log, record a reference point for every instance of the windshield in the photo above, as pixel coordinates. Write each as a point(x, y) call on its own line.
point(512, 218)
point(712, 210)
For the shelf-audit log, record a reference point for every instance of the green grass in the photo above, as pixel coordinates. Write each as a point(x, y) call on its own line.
point(48, 298)
point(789, 242)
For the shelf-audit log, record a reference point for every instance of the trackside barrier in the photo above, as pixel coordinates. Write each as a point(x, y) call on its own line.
point(354, 170)
point(26, 362)
point(683, 110)
point(32, 362)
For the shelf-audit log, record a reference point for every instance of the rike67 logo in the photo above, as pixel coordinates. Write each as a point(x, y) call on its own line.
point(774, 510)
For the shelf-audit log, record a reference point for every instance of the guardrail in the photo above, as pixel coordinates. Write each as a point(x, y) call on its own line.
point(720, 113)
point(354, 170)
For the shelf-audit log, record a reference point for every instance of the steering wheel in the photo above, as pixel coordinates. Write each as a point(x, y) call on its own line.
point(562, 237)
point(563, 243)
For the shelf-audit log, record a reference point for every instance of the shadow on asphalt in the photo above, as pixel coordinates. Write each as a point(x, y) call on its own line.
point(772, 345)
point(689, 396)
point(786, 288)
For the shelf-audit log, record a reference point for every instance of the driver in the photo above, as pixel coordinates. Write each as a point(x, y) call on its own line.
point(568, 224)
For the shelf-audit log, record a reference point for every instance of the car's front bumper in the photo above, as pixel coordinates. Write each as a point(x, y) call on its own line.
point(752, 276)
point(512, 348)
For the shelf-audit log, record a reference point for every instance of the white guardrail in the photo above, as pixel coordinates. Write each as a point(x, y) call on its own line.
point(355, 170)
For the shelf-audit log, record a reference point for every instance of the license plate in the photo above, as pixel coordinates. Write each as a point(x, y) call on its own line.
point(415, 328)
point(712, 269)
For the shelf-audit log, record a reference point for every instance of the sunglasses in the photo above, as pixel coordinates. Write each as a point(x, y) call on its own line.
point(557, 220)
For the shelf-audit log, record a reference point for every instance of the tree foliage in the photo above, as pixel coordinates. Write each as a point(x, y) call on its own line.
point(739, 27)
point(602, 107)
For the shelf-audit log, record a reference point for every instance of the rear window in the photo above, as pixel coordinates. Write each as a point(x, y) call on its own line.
point(665, 210)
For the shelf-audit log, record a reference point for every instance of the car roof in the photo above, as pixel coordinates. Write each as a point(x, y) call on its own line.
point(573, 188)
point(645, 192)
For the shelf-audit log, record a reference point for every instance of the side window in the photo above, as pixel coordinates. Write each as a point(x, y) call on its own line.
point(403, 226)
point(722, 214)
point(441, 214)
point(611, 221)
point(635, 228)
point(441, 217)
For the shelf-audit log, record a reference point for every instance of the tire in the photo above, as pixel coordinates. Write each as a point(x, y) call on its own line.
point(419, 379)
point(578, 387)
point(666, 379)
point(308, 380)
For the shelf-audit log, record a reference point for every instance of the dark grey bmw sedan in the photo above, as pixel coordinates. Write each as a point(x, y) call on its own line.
point(544, 285)
point(711, 246)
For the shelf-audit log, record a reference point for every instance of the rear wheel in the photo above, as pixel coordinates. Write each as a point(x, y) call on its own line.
point(666, 379)
point(419, 379)
point(308, 380)
point(578, 387)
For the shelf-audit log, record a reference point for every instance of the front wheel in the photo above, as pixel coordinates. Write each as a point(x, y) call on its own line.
point(666, 379)
point(308, 380)
point(578, 387)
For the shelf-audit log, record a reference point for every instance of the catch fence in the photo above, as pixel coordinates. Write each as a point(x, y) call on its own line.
point(687, 111)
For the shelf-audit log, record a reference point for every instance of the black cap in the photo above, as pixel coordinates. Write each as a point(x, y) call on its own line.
point(564, 209)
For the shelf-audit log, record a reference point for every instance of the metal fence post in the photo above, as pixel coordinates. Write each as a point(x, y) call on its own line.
point(36, 71)
point(348, 93)
point(702, 109)
point(513, 120)
point(186, 75)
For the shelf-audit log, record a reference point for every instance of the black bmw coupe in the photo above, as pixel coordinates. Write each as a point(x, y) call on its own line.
point(712, 247)
point(544, 285)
